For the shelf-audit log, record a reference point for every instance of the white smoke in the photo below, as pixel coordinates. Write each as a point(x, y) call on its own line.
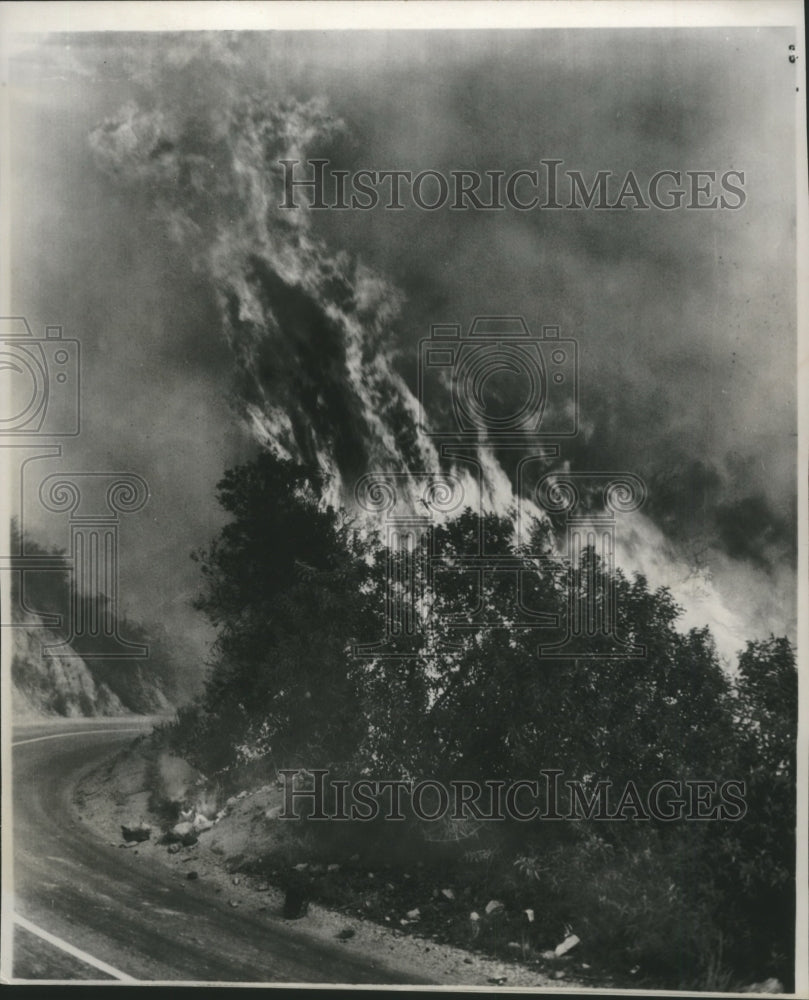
point(220, 195)
point(310, 329)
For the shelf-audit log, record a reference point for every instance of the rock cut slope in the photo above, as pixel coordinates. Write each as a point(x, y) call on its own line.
point(65, 685)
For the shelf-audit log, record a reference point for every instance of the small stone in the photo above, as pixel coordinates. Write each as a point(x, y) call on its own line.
point(514, 945)
point(234, 903)
point(264, 887)
point(236, 880)
point(530, 915)
point(414, 914)
point(559, 974)
point(332, 868)
point(548, 955)
point(448, 893)
point(493, 906)
point(497, 980)
point(346, 934)
point(301, 867)
point(474, 916)
point(467, 961)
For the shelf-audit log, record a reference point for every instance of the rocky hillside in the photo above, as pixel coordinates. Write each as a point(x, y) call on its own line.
point(66, 685)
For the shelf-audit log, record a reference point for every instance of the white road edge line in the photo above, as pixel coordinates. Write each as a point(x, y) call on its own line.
point(57, 942)
point(84, 732)
point(75, 952)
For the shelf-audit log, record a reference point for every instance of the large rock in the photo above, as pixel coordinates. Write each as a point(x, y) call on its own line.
point(136, 834)
point(183, 833)
point(296, 903)
point(298, 892)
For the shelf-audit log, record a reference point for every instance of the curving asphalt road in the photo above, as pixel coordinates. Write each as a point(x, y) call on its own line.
point(85, 910)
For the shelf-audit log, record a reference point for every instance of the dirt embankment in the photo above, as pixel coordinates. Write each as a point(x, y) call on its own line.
point(252, 857)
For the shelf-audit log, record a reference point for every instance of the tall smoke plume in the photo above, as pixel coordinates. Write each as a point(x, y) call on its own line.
point(685, 322)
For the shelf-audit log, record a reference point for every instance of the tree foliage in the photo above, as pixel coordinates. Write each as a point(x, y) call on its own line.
point(293, 585)
point(284, 586)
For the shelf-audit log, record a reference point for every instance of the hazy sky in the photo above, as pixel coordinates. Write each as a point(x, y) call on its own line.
point(141, 180)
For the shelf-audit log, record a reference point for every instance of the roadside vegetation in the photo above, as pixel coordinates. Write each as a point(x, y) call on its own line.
point(292, 585)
